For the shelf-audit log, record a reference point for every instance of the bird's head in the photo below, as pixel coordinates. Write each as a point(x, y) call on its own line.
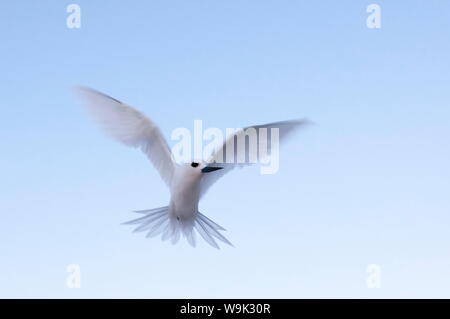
point(199, 168)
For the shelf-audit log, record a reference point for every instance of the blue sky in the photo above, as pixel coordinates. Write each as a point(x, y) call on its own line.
point(367, 185)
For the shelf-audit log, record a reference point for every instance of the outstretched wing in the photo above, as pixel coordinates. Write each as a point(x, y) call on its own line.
point(219, 158)
point(132, 128)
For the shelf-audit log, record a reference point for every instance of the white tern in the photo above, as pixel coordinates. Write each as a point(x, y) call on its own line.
point(187, 182)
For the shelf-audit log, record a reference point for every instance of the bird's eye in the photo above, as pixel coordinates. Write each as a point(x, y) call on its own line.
point(194, 164)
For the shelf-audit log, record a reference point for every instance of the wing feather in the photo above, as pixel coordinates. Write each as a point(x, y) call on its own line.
point(219, 158)
point(130, 127)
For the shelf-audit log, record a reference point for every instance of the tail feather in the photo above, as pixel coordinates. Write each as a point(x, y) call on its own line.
point(149, 223)
point(176, 236)
point(157, 221)
point(169, 231)
point(172, 232)
point(190, 237)
point(209, 227)
point(148, 211)
point(210, 222)
point(204, 233)
point(158, 228)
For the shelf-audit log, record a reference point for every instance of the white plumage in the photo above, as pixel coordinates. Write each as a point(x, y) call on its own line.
point(187, 183)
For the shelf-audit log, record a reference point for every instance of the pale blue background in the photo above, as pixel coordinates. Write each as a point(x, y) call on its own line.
point(369, 184)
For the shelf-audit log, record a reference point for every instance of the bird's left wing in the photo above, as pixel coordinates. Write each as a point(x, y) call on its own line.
point(132, 128)
point(285, 128)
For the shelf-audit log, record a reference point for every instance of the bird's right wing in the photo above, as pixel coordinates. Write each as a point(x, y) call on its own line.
point(285, 128)
point(132, 128)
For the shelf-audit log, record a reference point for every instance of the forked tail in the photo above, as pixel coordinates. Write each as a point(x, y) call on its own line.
point(157, 221)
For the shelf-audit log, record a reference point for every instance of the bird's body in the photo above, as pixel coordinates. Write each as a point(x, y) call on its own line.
point(187, 182)
point(185, 192)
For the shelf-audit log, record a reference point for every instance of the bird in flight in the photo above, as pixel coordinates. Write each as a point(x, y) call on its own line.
point(187, 182)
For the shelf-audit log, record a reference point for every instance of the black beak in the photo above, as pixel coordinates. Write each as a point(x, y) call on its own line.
point(209, 169)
